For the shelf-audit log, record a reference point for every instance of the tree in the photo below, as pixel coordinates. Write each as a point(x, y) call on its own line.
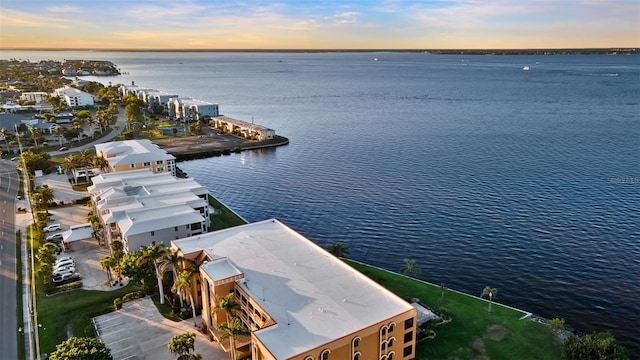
point(490, 292)
point(594, 346)
point(130, 268)
point(228, 304)
point(182, 345)
point(410, 267)
point(107, 263)
point(6, 135)
point(44, 196)
point(101, 163)
point(117, 248)
point(70, 163)
point(152, 254)
point(230, 331)
point(86, 160)
point(339, 249)
point(81, 348)
point(182, 286)
point(171, 260)
point(34, 135)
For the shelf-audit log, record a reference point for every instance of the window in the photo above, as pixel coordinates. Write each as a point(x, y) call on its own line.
point(407, 350)
point(356, 356)
point(146, 163)
point(133, 166)
point(356, 342)
point(390, 356)
point(153, 233)
point(383, 345)
point(159, 169)
point(408, 337)
point(383, 331)
point(408, 323)
point(324, 355)
point(175, 228)
point(158, 162)
point(390, 342)
point(391, 326)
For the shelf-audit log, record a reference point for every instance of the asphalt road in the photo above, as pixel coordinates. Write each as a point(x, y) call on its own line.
point(8, 305)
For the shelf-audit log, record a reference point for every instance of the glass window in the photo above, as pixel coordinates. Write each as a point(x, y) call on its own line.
point(408, 323)
point(408, 350)
point(356, 342)
point(356, 356)
point(390, 342)
point(153, 233)
point(324, 355)
point(391, 326)
point(147, 163)
point(408, 337)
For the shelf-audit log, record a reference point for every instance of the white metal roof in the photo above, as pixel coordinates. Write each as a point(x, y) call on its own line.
point(132, 152)
point(313, 296)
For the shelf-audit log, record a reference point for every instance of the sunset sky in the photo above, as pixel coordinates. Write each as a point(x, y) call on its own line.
point(308, 24)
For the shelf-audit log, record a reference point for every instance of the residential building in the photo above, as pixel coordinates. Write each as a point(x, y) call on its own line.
point(133, 89)
point(189, 109)
point(74, 97)
point(141, 207)
point(37, 97)
point(136, 154)
point(157, 101)
point(298, 301)
point(242, 128)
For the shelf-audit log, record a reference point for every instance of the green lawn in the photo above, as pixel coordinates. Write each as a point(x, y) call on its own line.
point(69, 314)
point(225, 219)
point(473, 332)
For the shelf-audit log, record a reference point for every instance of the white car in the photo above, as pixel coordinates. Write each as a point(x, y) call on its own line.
point(52, 227)
point(64, 270)
point(61, 259)
point(54, 238)
point(62, 264)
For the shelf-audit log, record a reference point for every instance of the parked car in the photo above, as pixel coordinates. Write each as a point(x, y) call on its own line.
point(61, 264)
point(52, 227)
point(64, 270)
point(64, 148)
point(65, 279)
point(61, 259)
point(54, 238)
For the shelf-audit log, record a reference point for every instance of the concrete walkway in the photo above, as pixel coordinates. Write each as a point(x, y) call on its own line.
point(138, 331)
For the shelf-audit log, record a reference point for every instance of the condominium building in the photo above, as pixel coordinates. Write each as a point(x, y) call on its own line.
point(189, 109)
point(242, 128)
point(141, 207)
point(298, 301)
point(74, 97)
point(136, 154)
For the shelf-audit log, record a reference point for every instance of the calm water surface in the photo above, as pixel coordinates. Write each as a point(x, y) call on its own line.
point(485, 174)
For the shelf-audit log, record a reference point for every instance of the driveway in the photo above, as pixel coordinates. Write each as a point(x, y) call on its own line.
point(138, 331)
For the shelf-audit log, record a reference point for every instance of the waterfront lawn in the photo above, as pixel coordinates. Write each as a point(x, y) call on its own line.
point(69, 314)
point(473, 332)
point(225, 219)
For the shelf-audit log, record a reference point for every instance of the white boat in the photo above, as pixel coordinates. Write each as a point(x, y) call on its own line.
point(526, 68)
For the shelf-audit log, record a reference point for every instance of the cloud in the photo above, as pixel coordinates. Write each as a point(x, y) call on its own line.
point(66, 9)
point(17, 19)
point(347, 17)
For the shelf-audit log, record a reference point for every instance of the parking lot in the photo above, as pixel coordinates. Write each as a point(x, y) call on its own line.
point(138, 330)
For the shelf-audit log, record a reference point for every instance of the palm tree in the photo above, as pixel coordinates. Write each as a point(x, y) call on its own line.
point(34, 135)
point(227, 304)
point(338, 249)
point(117, 248)
point(58, 131)
point(182, 286)
point(6, 134)
point(172, 260)
point(107, 263)
point(86, 159)
point(153, 253)
point(101, 163)
point(410, 267)
point(70, 163)
point(44, 197)
point(490, 292)
point(230, 331)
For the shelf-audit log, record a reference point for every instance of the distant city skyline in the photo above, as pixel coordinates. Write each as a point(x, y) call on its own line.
point(305, 24)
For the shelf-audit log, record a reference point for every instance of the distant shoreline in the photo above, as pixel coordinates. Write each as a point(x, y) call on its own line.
point(540, 51)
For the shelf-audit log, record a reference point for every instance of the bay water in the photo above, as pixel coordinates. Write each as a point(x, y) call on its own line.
point(481, 171)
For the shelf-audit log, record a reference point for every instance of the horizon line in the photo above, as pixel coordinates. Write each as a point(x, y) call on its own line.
point(622, 48)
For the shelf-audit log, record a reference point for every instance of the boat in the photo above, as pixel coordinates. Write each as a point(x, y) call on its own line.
point(526, 68)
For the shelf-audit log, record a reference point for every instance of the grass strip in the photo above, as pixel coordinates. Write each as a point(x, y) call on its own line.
point(473, 332)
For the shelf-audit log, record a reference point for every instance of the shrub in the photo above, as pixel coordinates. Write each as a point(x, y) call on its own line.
point(557, 323)
point(133, 295)
point(117, 303)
